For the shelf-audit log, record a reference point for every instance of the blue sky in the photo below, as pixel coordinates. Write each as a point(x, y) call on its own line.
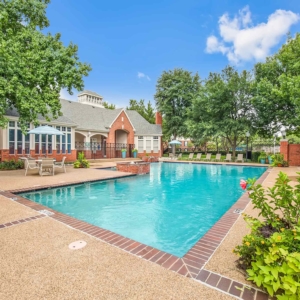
point(130, 43)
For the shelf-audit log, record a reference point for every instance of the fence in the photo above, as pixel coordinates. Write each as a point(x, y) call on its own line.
point(96, 150)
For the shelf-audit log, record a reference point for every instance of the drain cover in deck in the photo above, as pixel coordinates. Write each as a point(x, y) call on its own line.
point(238, 211)
point(77, 245)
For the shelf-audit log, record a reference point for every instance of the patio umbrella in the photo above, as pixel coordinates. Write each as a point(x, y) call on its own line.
point(174, 142)
point(45, 130)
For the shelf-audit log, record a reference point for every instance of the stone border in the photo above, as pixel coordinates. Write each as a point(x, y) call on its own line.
point(21, 221)
point(190, 265)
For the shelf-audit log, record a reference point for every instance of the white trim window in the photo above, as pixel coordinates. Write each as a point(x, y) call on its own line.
point(17, 140)
point(155, 144)
point(148, 144)
point(140, 145)
point(63, 142)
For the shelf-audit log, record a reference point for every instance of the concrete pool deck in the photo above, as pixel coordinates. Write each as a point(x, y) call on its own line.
point(130, 277)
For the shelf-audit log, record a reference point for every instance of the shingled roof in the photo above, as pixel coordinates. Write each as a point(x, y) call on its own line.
point(61, 119)
point(88, 117)
point(94, 118)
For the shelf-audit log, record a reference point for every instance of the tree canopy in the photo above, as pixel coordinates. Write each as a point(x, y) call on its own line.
point(277, 89)
point(146, 111)
point(223, 107)
point(109, 106)
point(34, 67)
point(175, 91)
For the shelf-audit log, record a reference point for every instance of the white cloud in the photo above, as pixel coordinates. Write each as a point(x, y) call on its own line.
point(240, 40)
point(142, 75)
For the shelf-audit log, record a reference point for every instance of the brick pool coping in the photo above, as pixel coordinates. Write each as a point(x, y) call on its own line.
point(190, 265)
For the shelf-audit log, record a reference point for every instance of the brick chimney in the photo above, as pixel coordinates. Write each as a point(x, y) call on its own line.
point(158, 118)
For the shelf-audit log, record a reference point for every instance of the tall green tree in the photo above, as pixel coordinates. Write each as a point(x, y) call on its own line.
point(224, 107)
point(175, 91)
point(146, 111)
point(34, 67)
point(109, 106)
point(277, 89)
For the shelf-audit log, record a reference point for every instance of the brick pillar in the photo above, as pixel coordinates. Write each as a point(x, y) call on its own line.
point(284, 149)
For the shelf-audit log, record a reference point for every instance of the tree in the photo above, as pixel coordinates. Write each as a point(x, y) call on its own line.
point(175, 91)
point(146, 112)
point(109, 106)
point(34, 67)
point(277, 89)
point(224, 106)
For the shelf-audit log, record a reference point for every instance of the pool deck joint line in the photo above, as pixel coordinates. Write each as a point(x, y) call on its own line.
point(190, 265)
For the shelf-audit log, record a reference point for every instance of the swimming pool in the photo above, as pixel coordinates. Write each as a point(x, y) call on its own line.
point(169, 209)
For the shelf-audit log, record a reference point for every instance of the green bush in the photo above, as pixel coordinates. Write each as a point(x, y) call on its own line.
point(11, 165)
point(81, 162)
point(270, 254)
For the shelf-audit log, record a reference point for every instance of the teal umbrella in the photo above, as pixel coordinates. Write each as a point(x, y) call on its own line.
point(45, 130)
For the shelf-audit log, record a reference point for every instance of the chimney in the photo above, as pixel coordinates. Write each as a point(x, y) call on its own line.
point(158, 118)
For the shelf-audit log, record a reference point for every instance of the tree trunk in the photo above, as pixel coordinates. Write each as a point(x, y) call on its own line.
point(233, 145)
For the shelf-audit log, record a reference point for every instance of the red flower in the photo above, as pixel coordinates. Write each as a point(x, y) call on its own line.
point(243, 184)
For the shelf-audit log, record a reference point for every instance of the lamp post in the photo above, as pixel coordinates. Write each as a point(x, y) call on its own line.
point(247, 136)
point(283, 133)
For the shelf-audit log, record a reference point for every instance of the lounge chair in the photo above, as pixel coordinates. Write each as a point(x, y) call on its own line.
point(198, 156)
point(240, 158)
point(60, 165)
point(46, 167)
point(191, 156)
point(228, 157)
point(218, 157)
point(30, 165)
point(171, 156)
point(208, 157)
point(179, 156)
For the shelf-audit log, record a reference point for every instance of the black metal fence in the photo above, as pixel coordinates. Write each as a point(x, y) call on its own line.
point(105, 150)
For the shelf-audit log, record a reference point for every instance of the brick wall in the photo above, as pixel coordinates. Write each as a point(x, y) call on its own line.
point(69, 157)
point(121, 125)
point(291, 152)
point(139, 168)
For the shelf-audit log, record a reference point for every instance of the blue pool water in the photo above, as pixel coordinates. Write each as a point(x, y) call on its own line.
point(169, 209)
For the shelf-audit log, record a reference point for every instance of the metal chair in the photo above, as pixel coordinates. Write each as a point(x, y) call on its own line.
point(29, 165)
point(60, 165)
point(46, 167)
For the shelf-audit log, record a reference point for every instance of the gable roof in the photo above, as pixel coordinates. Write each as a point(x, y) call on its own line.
point(141, 125)
point(89, 117)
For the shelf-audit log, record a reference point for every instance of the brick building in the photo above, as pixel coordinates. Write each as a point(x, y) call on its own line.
point(87, 127)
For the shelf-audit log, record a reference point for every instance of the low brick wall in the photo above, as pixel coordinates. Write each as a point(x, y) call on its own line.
point(134, 167)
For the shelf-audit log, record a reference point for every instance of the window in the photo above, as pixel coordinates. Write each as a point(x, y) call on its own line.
point(155, 144)
point(17, 140)
point(64, 142)
point(148, 144)
point(140, 145)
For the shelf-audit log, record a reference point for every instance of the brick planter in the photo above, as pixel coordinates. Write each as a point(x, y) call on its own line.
point(134, 167)
point(150, 158)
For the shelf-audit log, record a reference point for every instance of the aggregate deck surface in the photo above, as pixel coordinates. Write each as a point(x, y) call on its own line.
point(100, 270)
point(36, 263)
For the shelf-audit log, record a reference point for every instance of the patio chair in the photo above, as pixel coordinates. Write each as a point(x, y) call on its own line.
point(191, 156)
point(179, 155)
point(46, 167)
point(228, 157)
point(218, 157)
point(29, 165)
point(240, 158)
point(171, 156)
point(198, 157)
point(60, 165)
point(208, 157)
